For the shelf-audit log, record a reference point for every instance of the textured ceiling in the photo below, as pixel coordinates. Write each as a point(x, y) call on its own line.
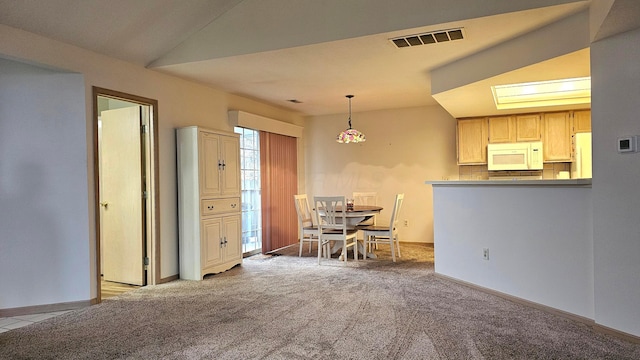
point(316, 52)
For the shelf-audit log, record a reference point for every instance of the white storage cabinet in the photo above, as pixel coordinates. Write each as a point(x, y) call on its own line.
point(209, 214)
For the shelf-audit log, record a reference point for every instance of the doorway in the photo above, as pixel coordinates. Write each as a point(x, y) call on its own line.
point(126, 176)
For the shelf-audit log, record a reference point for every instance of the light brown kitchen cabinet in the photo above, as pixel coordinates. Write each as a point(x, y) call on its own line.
point(472, 141)
point(581, 121)
point(556, 142)
point(502, 129)
point(528, 127)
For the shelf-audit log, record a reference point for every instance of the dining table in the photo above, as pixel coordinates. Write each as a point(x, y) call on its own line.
point(355, 216)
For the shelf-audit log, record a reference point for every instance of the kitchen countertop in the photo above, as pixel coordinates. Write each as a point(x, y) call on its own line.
point(514, 182)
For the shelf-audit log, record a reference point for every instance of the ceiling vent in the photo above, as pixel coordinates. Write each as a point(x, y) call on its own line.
point(428, 38)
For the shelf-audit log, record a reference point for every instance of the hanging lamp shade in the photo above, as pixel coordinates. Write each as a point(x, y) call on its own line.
point(350, 135)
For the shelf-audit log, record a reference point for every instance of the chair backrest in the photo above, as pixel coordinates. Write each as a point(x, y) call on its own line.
point(331, 213)
point(365, 198)
point(305, 218)
point(393, 223)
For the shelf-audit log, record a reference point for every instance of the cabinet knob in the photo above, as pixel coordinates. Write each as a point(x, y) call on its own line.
point(234, 205)
point(104, 204)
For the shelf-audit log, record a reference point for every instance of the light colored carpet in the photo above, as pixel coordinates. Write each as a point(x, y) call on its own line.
point(286, 307)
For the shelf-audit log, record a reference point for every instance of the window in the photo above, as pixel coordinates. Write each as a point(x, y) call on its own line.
point(250, 184)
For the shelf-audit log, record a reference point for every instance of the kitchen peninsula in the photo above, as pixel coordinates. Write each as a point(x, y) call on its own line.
point(529, 239)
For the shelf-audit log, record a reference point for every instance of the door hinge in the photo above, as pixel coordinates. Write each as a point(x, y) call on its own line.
point(143, 129)
point(146, 260)
point(144, 194)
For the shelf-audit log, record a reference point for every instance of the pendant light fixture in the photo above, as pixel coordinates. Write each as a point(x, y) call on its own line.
point(350, 135)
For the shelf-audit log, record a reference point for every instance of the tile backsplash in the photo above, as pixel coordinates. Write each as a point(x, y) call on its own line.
point(551, 170)
point(473, 172)
point(480, 172)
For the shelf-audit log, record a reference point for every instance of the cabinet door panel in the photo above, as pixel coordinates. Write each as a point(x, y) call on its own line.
point(472, 141)
point(502, 129)
point(528, 127)
point(557, 137)
point(231, 155)
point(582, 121)
point(209, 169)
point(233, 236)
point(211, 249)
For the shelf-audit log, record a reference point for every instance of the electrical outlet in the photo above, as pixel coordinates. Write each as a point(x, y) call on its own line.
point(485, 253)
point(406, 223)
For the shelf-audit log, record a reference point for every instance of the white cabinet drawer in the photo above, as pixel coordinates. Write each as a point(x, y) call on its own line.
point(219, 206)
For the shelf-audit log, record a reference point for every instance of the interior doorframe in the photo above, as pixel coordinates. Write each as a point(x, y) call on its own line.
point(153, 209)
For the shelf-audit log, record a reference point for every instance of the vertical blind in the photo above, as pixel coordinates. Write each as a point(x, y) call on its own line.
point(279, 176)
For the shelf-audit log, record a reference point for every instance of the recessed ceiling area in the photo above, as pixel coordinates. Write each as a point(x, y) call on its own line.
point(478, 98)
point(536, 94)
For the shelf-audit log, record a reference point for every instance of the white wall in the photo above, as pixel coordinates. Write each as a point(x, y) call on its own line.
point(615, 76)
point(539, 240)
point(615, 264)
point(44, 223)
point(404, 148)
point(180, 103)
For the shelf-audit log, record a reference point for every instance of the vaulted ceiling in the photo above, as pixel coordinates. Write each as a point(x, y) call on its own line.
point(316, 52)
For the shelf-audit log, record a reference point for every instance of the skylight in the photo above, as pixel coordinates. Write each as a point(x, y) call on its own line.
point(543, 93)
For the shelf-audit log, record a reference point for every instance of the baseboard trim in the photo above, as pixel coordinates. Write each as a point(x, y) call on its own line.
point(617, 333)
point(587, 321)
point(169, 279)
point(37, 309)
point(297, 243)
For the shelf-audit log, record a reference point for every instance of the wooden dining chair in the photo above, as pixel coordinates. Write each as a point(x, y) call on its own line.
point(308, 231)
point(332, 225)
point(366, 198)
point(385, 234)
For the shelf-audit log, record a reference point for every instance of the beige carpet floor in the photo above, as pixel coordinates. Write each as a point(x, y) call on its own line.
point(287, 307)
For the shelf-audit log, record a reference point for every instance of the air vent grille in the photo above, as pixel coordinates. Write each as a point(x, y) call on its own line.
point(428, 38)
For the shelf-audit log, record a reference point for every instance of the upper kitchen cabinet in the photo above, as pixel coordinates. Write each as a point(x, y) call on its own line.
point(582, 121)
point(502, 129)
point(519, 128)
point(528, 127)
point(557, 137)
point(472, 141)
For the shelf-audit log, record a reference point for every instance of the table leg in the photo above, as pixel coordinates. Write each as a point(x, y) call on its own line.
point(361, 249)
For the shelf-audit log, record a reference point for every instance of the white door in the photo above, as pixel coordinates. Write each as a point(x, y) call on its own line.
point(121, 196)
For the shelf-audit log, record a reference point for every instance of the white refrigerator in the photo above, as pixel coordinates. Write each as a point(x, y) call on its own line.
point(581, 165)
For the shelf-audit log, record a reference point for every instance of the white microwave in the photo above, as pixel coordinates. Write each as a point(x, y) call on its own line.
point(515, 156)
